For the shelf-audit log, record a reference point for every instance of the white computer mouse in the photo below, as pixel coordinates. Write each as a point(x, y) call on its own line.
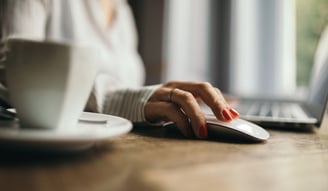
point(236, 128)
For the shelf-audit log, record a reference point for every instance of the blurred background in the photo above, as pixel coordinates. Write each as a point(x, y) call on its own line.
point(253, 47)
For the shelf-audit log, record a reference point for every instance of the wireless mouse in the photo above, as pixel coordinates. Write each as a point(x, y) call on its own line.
point(237, 128)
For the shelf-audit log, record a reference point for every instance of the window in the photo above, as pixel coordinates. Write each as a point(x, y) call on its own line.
point(262, 53)
point(270, 44)
point(311, 18)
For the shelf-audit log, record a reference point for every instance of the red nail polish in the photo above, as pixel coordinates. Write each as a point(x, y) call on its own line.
point(226, 115)
point(203, 131)
point(234, 112)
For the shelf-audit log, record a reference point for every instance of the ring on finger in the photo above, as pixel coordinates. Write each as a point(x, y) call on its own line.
point(171, 95)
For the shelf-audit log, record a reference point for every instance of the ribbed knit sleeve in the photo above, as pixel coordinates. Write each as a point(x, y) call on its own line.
point(128, 103)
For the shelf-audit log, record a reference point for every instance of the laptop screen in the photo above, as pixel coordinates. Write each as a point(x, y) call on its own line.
point(318, 93)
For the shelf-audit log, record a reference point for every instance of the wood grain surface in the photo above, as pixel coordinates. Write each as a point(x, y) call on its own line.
point(155, 158)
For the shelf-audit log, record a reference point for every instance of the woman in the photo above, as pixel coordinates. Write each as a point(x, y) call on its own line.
point(108, 26)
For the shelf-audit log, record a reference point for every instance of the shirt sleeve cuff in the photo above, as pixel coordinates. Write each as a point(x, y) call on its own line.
point(128, 103)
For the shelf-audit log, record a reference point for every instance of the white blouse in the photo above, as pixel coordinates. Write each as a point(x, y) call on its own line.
point(118, 86)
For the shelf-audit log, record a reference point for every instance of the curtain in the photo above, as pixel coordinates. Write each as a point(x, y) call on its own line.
point(186, 40)
point(243, 47)
point(262, 53)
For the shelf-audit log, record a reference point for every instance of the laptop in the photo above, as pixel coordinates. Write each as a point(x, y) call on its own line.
point(281, 112)
point(299, 114)
point(305, 113)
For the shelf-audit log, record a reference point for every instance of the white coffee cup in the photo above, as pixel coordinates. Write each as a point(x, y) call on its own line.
point(49, 83)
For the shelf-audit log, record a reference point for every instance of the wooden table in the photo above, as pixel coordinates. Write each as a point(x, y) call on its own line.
point(153, 158)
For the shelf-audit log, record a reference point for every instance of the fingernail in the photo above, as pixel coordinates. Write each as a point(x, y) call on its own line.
point(226, 115)
point(203, 131)
point(234, 112)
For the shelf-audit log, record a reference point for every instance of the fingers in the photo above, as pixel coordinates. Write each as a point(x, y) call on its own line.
point(228, 112)
point(178, 102)
point(211, 96)
point(163, 111)
point(189, 105)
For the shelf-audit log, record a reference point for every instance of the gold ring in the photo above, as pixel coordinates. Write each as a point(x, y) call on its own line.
point(171, 94)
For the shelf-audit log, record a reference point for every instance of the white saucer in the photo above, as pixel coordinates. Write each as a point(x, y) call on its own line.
point(91, 128)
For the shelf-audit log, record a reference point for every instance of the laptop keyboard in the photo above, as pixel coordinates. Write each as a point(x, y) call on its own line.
point(272, 109)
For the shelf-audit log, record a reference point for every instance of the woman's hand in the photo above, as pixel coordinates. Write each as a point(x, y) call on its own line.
point(179, 102)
